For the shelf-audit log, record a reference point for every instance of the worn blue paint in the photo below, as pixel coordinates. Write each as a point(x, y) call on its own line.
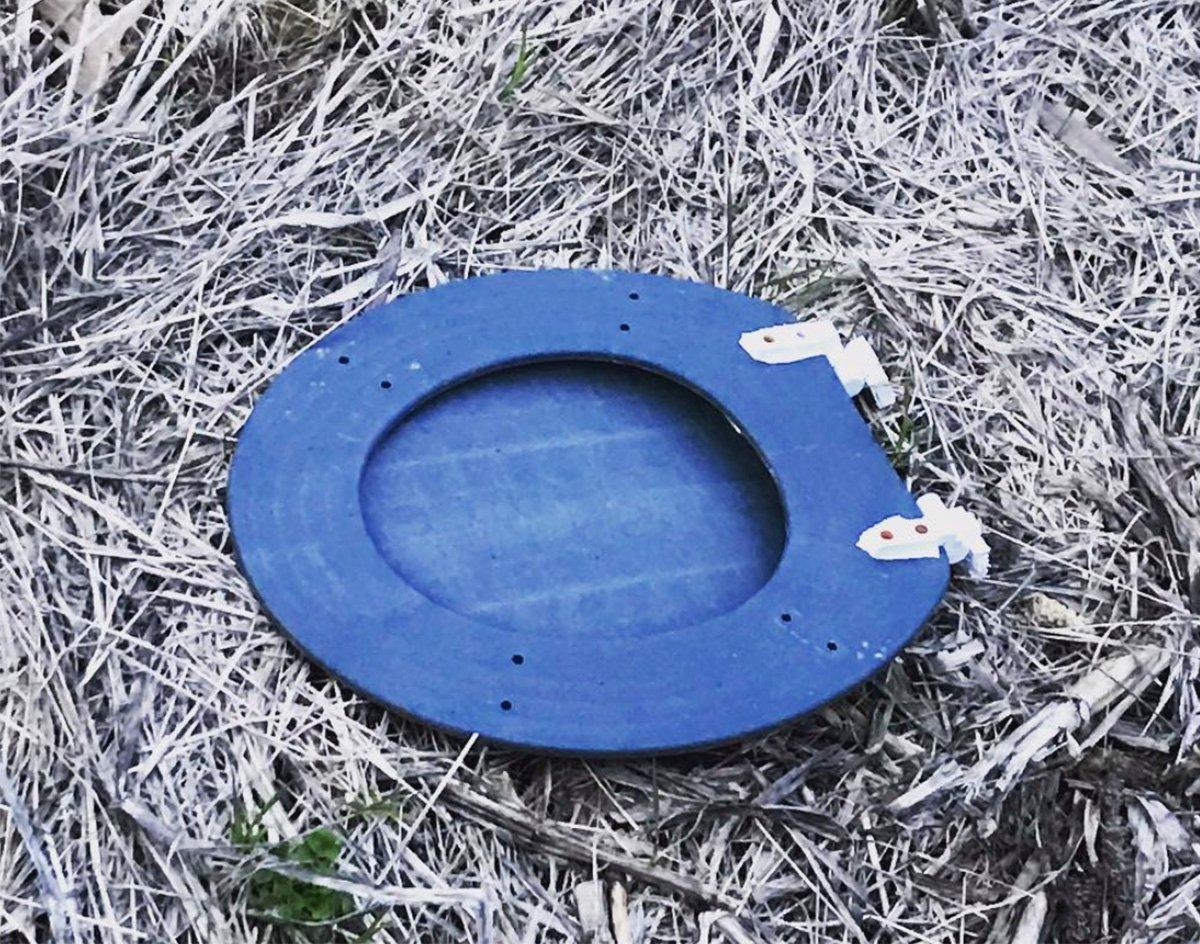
point(503, 506)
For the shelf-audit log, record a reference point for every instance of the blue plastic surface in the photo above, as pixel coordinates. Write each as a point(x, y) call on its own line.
point(516, 505)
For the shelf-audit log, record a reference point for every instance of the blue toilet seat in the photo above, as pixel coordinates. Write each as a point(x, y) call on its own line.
point(326, 509)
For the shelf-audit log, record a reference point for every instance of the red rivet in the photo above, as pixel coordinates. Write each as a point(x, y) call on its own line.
point(886, 535)
point(921, 529)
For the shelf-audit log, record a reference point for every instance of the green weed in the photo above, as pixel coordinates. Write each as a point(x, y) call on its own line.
point(246, 832)
point(519, 71)
point(284, 899)
point(799, 289)
point(901, 445)
point(386, 806)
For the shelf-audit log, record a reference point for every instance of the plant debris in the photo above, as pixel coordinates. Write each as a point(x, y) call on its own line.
point(1005, 198)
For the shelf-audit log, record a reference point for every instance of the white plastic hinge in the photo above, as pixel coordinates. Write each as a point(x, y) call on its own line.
point(957, 531)
point(854, 362)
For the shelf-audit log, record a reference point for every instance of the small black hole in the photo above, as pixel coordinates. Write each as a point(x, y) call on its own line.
point(786, 617)
point(343, 359)
point(506, 705)
point(387, 385)
point(634, 296)
point(831, 646)
point(518, 659)
point(624, 327)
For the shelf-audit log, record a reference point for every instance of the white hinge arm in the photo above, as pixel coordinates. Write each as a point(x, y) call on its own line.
point(855, 362)
point(978, 556)
point(954, 530)
point(858, 366)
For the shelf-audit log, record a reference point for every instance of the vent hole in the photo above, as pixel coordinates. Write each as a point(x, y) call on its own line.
point(624, 327)
point(634, 296)
point(387, 385)
point(785, 617)
point(518, 659)
point(506, 705)
point(343, 359)
point(831, 646)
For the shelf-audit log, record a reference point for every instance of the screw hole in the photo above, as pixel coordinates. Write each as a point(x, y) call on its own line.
point(343, 359)
point(624, 327)
point(831, 646)
point(768, 339)
point(506, 705)
point(634, 296)
point(518, 659)
point(785, 617)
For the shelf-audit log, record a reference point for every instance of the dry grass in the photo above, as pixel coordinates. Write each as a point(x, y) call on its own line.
point(1005, 201)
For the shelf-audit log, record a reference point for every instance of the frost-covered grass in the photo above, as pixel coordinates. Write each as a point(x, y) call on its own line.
point(1003, 199)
